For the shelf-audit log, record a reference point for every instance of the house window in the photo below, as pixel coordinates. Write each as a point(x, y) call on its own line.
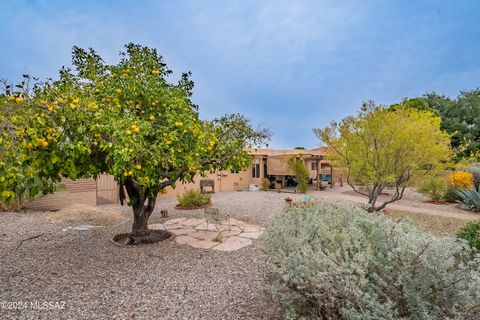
point(314, 166)
point(234, 171)
point(256, 171)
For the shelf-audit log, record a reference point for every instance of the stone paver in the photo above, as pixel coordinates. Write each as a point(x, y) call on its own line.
point(181, 231)
point(195, 233)
point(192, 222)
point(184, 239)
point(202, 244)
point(203, 226)
point(203, 235)
point(173, 226)
point(156, 226)
point(233, 243)
point(173, 221)
point(251, 235)
point(230, 233)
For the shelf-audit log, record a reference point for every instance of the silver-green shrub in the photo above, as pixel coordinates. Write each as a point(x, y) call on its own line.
point(340, 262)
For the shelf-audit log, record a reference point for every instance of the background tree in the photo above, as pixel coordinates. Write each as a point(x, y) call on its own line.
point(24, 174)
point(127, 120)
point(460, 118)
point(382, 148)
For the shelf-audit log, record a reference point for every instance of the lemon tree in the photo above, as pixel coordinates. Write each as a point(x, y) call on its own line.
point(382, 148)
point(27, 167)
point(128, 120)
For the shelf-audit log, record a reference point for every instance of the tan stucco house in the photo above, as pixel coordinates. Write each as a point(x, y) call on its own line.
point(269, 164)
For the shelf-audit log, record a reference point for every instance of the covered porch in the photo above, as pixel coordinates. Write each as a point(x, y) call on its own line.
point(274, 165)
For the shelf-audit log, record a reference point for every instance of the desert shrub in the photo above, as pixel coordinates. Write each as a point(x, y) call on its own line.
point(451, 195)
point(265, 184)
point(434, 188)
point(471, 233)
point(461, 180)
point(340, 262)
point(469, 199)
point(193, 199)
point(301, 174)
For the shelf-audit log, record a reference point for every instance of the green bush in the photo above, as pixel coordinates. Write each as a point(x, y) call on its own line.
point(469, 199)
point(471, 233)
point(433, 188)
point(301, 174)
point(340, 262)
point(265, 184)
point(193, 199)
point(451, 195)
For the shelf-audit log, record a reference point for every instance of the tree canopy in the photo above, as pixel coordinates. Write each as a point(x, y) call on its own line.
point(460, 118)
point(126, 120)
point(381, 148)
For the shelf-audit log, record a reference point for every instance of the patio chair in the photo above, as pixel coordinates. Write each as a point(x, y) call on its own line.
point(213, 215)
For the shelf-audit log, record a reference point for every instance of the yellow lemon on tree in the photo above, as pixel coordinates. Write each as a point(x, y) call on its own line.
point(43, 101)
point(44, 144)
point(49, 130)
point(133, 126)
point(152, 117)
point(138, 167)
point(18, 100)
point(119, 91)
point(29, 146)
point(75, 101)
point(50, 108)
point(154, 103)
point(130, 173)
point(137, 129)
point(155, 71)
point(125, 174)
point(11, 98)
point(129, 133)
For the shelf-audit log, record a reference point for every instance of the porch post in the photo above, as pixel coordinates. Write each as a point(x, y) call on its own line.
point(318, 174)
point(331, 175)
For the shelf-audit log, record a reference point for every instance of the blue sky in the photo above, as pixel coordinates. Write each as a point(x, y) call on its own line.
point(289, 65)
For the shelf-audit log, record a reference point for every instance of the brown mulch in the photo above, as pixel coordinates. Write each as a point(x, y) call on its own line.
point(178, 207)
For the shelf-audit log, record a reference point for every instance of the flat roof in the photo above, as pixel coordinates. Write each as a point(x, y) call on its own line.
point(317, 152)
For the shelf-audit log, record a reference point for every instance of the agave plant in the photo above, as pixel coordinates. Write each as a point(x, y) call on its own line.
point(469, 199)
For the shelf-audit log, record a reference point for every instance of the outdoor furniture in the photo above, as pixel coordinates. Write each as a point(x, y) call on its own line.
point(207, 183)
point(213, 215)
point(327, 177)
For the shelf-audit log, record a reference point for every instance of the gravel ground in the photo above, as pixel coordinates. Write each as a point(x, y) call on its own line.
point(411, 198)
point(100, 280)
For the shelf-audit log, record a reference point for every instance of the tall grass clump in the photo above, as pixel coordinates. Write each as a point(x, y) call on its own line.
point(340, 262)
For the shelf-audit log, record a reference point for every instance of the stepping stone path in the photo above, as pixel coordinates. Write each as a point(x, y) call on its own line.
point(195, 233)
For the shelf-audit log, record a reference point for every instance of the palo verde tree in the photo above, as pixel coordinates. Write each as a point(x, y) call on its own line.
point(382, 148)
point(128, 121)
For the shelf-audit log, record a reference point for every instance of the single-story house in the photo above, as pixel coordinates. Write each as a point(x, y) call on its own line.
point(266, 163)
